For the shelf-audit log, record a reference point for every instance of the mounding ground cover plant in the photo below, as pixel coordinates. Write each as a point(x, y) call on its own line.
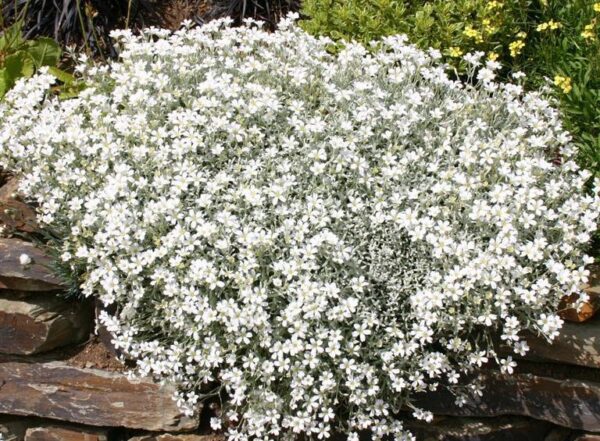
point(311, 237)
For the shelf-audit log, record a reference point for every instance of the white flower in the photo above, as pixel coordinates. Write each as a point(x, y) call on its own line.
point(486, 74)
point(507, 365)
point(25, 259)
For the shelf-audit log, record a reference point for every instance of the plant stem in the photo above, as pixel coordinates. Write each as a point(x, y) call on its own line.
point(128, 13)
point(82, 24)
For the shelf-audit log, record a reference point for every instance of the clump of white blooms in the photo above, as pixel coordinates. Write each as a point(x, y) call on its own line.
point(316, 237)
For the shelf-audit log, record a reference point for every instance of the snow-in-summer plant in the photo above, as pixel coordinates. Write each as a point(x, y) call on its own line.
point(312, 237)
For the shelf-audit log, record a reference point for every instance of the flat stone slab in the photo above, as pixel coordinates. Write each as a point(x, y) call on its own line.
point(588, 437)
point(89, 396)
point(42, 323)
point(178, 437)
point(62, 433)
point(482, 429)
point(577, 344)
point(36, 276)
point(568, 403)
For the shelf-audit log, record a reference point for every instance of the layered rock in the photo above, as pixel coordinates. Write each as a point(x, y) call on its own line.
point(37, 276)
point(42, 323)
point(569, 403)
point(490, 429)
point(577, 344)
point(64, 433)
point(588, 437)
point(89, 396)
point(178, 437)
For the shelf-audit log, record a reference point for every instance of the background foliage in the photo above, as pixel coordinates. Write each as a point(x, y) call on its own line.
point(552, 41)
point(83, 23)
point(86, 24)
point(20, 58)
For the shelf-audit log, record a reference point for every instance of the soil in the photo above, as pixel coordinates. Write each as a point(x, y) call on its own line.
point(93, 354)
point(169, 14)
point(4, 175)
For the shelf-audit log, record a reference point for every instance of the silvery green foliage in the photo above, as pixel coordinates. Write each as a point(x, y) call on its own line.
point(321, 235)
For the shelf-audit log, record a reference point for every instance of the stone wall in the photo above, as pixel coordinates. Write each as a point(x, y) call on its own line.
point(60, 381)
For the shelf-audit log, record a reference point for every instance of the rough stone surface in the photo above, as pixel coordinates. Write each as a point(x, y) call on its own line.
point(14, 214)
point(577, 344)
point(34, 277)
point(42, 323)
point(483, 429)
point(588, 437)
point(178, 437)
point(568, 403)
point(61, 433)
point(88, 396)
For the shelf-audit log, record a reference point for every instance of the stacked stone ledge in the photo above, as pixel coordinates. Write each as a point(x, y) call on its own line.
point(46, 396)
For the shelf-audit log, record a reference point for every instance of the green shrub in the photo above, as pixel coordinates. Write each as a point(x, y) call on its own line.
point(453, 27)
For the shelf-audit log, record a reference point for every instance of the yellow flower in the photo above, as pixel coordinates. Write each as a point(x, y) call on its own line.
point(522, 35)
point(515, 47)
point(473, 33)
point(588, 35)
point(488, 27)
point(588, 31)
point(494, 5)
point(552, 25)
point(564, 83)
point(455, 51)
point(493, 56)
point(597, 7)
